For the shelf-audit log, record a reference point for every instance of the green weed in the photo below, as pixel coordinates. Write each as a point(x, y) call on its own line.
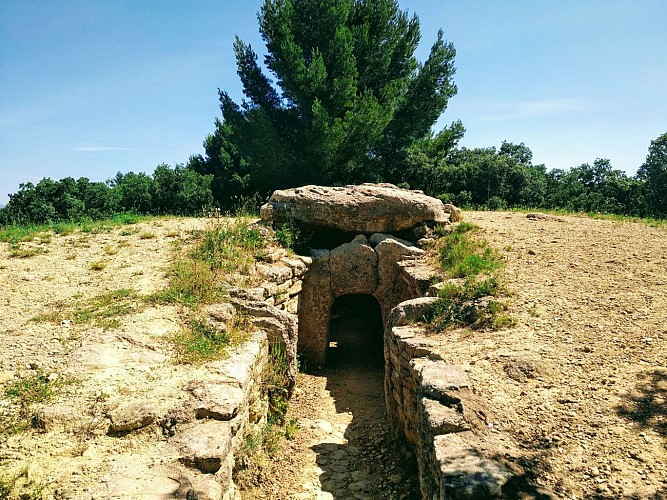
point(231, 247)
point(461, 255)
point(98, 265)
point(23, 394)
point(109, 250)
point(469, 302)
point(23, 252)
point(275, 383)
point(102, 311)
point(191, 283)
point(201, 342)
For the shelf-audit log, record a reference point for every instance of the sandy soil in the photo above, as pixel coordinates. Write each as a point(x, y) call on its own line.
point(96, 369)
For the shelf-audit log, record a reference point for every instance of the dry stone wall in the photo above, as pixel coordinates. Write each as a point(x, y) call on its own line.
point(429, 403)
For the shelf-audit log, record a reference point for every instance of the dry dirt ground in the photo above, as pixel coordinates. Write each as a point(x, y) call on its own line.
point(95, 368)
point(577, 390)
point(579, 386)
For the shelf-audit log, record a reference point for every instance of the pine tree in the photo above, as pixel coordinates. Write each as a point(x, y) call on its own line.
point(347, 100)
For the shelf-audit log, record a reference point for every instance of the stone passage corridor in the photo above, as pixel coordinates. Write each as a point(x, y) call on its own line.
point(343, 448)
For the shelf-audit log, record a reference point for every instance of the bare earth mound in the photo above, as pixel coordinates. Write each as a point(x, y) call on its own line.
point(580, 385)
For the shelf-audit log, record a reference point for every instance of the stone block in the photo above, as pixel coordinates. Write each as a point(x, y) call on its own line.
point(298, 266)
point(205, 445)
point(354, 268)
point(130, 417)
point(275, 272)
point(440, 381)
point(216, 400)
point(464, 472)
point(443, 419)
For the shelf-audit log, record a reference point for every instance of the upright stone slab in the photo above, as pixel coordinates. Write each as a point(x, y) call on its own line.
point(314, 312)
point(354, 268)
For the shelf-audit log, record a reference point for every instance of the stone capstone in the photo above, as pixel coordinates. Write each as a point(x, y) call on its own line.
point(367, 208)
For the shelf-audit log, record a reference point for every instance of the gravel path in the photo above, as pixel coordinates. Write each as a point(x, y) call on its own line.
point(343, 448)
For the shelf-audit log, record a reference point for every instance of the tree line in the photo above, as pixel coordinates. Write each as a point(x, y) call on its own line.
point(169, 190)
point(341, 98)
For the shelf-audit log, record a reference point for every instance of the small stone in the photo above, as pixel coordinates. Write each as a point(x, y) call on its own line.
point(361, 486)
point(130, 417)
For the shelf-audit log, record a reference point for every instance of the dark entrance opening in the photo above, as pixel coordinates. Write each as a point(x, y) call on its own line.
point(355, 332)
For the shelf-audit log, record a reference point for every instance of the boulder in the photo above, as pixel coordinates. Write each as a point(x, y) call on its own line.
point(129, 417)
point(455, 213)
point(368, 208)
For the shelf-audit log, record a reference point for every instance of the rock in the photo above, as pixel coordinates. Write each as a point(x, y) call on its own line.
point(443, 419)
point(52, 418)
point(361, 486)
point(455, 213)
point(464, 472)
point(276, 273)
point(205, 488)
point(354, 268)
point(217, 401)
point(221, 313)
point(391, 250)
point(440, 380)
point(315, 307)
point(130, 417)
point(205, 445)
point(280, 326)
point(410, 311)
point(368, 208)
point(542, 216)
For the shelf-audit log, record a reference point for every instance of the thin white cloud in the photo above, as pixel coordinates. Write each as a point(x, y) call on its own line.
point(97, 149)
point(536, 109)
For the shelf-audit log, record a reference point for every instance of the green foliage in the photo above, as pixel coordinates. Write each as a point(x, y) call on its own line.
point(229, 248)
point(179, 190)
point(23, 394)
point(102, 311)
point(292, 237)
point(191, 283)
point(34, 389)
point(349, 99)
point(275, 383)
point(461, 255)
point(201, 342)
point(469, 300)
point(654, 175)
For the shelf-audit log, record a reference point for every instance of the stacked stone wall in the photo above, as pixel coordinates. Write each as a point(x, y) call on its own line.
point(428, 403)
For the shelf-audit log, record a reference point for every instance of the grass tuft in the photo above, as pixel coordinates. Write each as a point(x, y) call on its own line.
point(468, 299)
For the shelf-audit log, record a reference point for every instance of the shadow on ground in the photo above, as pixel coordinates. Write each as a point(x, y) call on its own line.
point(372, 465)
point(647, 406)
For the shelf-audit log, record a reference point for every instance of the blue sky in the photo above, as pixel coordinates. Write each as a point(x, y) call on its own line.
point(90, 88)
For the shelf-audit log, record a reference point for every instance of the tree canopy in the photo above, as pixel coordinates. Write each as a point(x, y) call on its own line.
point(654, 174)
point(343, 101)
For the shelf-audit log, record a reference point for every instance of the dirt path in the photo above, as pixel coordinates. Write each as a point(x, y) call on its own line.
point(343, 448)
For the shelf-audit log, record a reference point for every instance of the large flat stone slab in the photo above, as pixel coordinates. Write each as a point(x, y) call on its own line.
point(367, 208)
